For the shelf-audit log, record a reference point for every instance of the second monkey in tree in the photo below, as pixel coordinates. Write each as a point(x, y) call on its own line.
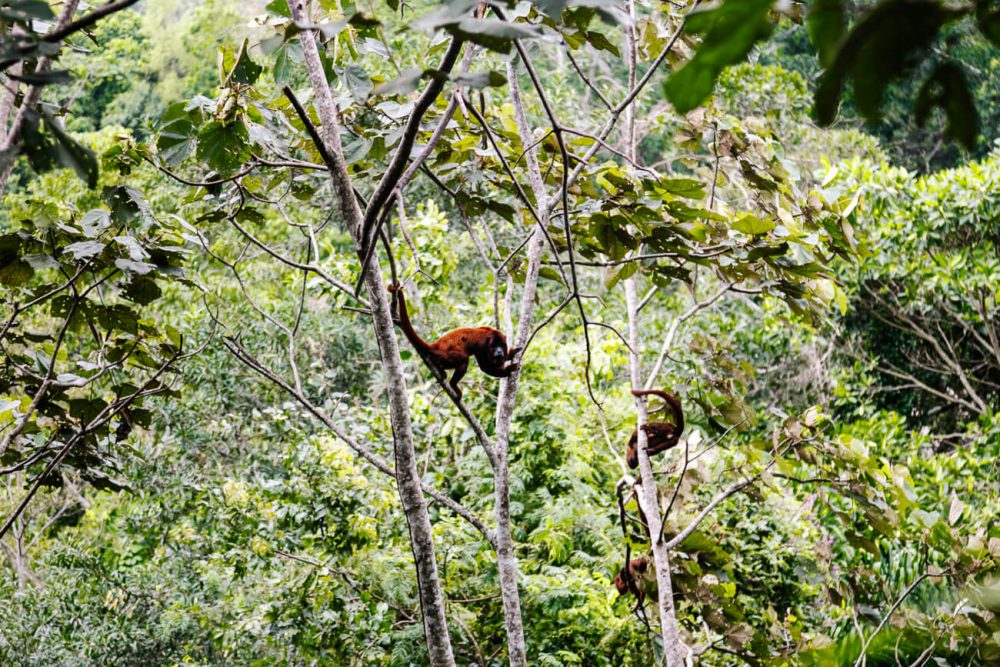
point(660, 436)
point(453, 349)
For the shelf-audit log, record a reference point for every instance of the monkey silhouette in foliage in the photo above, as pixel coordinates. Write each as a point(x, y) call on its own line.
point(660, 436)
point(452, 350)
point(638, 578)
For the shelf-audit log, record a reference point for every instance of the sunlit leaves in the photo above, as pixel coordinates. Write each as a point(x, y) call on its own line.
point(750, 224)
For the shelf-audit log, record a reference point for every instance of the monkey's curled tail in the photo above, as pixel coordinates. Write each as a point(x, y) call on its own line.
point(669, 399)
point(406, 325)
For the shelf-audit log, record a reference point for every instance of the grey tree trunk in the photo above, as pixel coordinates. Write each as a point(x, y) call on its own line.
point(674, 650)
point(408, 478)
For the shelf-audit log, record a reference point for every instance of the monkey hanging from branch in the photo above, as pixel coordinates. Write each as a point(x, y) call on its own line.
point(660, 436)
point(453, 349)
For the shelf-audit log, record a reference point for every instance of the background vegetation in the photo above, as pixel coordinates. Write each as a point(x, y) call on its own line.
point(822, 299)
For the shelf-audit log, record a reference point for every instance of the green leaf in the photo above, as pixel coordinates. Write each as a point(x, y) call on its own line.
point(550, 273)
point(947, 88)
point(134, 266)
point(688, 188)
point(143, 291)
point(750, 224)
point(356, 79)
point(480, 79)
point(279, 8)
point(404, 84)
point(73, 154)
point(95, 221)
point(223, 146)
point(84, 249)
point(15, 271)
point(126, 204)
point(54, 148)
point(283, 63)
point(245, 71)
point(493, 34)
point(885, 42)
point(827, 24)
point(177, 138)
point(26, 10)
point(551, 8)
point(599, 41)
point(615, 274)
point(731, 30)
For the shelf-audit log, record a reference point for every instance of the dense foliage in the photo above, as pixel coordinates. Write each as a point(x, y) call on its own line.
point(201, 463)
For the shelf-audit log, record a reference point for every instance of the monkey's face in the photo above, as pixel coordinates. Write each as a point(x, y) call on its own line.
point(498, 349)
point(499, 353)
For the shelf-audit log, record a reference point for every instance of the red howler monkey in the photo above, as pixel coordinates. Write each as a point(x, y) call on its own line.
point(453, 349)
point(660, 436)
point(639, 579)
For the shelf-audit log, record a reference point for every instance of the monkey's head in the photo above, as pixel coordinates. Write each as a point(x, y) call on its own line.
point(497, 347)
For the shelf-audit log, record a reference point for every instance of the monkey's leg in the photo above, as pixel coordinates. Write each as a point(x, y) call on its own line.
point(459, 374)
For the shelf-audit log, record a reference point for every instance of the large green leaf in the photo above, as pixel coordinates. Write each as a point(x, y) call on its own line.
point(223, 146)
point(730, 31)
point(245, 71)
point(947, 88)
point(827, 24)
point(494, 34)
point(884, 43)
point(47, 146)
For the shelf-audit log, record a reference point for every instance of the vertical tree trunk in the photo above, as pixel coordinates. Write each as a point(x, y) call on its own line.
point(506, 558)
point(408, 478)
point(674, 650)
point(507, 565)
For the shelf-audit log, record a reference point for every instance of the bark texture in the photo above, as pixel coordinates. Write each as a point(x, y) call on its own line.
point(674, 650)
point(407, 475)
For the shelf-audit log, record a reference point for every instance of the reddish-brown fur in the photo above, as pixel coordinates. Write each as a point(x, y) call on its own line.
point(453, 349)
point(634, 580)
point(660, 436)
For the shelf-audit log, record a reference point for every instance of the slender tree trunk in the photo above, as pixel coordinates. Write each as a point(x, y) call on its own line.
point(674, 650)
point(507, 564)
point(506, 558)
point(408, 478)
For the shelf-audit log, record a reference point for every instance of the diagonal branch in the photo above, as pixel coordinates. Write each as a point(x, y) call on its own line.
point(380, 464)
point(398, 163)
